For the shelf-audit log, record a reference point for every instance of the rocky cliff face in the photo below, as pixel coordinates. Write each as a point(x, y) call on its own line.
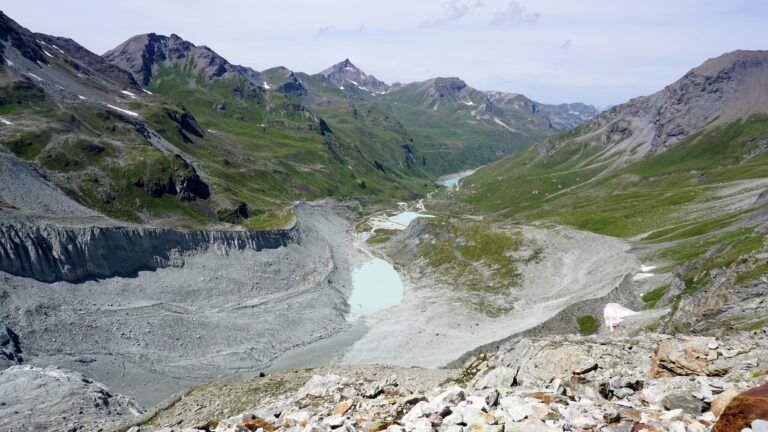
point(10, 351)
point(51, 253)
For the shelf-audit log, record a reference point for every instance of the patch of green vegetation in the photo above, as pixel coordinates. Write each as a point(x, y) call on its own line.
point(651, 298)
point(568, 184)
point(683, 327)
point(479, 259)
point(28, 145)
point(74, 154)
point(588, 325)
point(755, 325)
point(692, 229)
point(725, 146)
point(23, 96)
point(653, 327)
point(471, 369)
point(464, 244)
point(381, 235)
point(270, 219)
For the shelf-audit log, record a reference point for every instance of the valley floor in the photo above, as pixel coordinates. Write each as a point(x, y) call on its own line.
point(431, 327)
point(224, 314)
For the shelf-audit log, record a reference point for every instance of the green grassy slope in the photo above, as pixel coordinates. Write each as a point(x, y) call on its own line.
point(453, 130)
point(269, 147)
point(569, 186)
point(694, 208)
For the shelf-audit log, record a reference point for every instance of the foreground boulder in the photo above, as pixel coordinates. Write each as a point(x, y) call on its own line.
point(34, 398)
point(743, 410)
point(690, 356)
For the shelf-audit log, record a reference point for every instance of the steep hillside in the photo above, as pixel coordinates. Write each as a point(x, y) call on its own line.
point(355, 118)
point(681, 173)
point(76, 120)
point(162, 131)
point(267, 126)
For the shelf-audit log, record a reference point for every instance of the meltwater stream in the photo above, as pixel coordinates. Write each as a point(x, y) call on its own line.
point(376, 285)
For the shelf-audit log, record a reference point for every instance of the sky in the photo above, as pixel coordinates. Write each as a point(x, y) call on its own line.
point(601, 52)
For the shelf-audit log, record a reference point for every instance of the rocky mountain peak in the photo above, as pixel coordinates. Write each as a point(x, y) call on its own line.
point(345, 73)
point(451, 84)
point(740, 60)
point(348, 64)
point(452, 87)
point(141, 55)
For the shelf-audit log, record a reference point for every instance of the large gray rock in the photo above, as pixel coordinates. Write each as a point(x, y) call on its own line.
point(684, 401)
point(58, 399)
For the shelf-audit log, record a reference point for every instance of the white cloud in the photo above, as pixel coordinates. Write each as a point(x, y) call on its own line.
point(515, 15)
point(566, 46)
point(323, 30)
point(453, 10)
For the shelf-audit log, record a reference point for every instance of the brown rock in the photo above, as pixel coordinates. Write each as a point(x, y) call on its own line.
point(743, 409)
point(256, 424)
point(638, 427)
point(546, 398)
point(342, 408)
point(684, 357)
point(722, 400)
point(629, 413)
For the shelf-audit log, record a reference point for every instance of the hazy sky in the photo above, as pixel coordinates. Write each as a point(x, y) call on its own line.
point(596, 51)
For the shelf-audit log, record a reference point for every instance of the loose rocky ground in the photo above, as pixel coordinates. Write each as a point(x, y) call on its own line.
point(574, 266)
point(224, 313)
point(556, 383)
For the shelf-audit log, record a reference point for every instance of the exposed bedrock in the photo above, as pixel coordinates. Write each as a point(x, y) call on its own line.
point(52, 253)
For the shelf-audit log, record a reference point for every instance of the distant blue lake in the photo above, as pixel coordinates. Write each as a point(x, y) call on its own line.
point(451, 182)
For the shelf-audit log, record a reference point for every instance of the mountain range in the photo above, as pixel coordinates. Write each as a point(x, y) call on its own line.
point(174, 128)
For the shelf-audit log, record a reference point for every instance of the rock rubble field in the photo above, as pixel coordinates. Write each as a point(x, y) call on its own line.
point(555, 383)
